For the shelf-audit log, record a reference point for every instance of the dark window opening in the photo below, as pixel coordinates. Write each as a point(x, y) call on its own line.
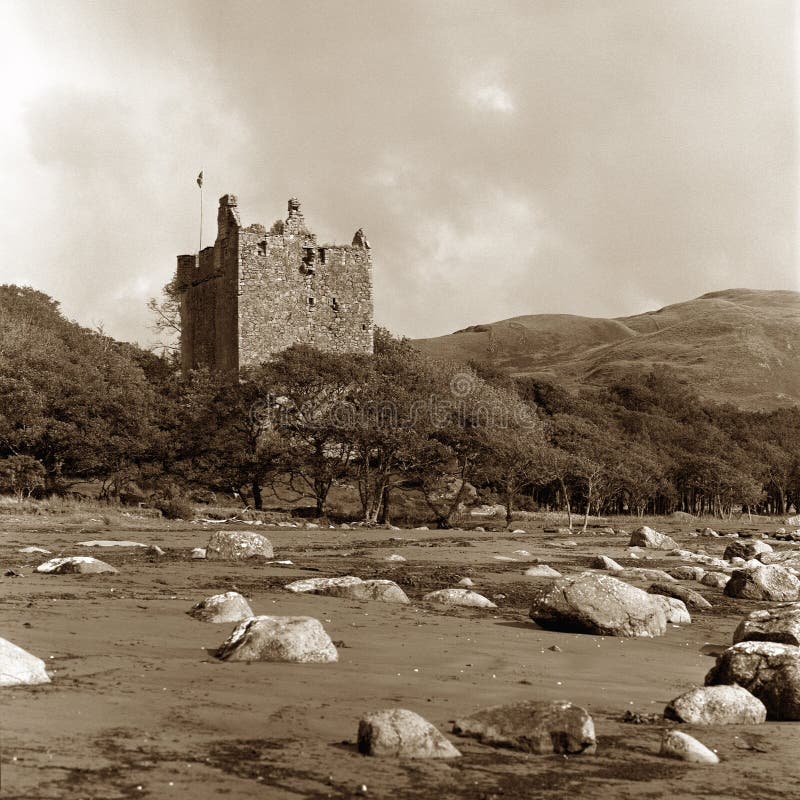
point(322, 255)
point(363, 327)
point(308, 258)
point(262, 248)
point(311, 302)
point(335, 304)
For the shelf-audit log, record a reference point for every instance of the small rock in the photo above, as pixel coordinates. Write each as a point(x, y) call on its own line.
point(394, 557)
point(458, 597)
point(717, 705)
point(532, 726)
point(765, 582)
point(746, 550)
point(644, 574)
point(227, 607)
point(352, 588)
point(685, 573)
point(84, 565)
point(542, 571)
point(34, 550)
point(400, 733)
point(778, 624)
point(606, 563)
point(466, 582)
point(677, 744)
point(198, 552)
point(555, 648)
point(111, 543)
point(675, 610)
point(154, 550)
point(769, 670)
point(716, 579)
point(238, 546)
point(266, 638)
point(518, 531)
point(647, 537)
point(19, 668)
point(690, 597)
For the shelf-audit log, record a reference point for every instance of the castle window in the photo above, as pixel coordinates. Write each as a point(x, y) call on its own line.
point(262, 248)
point(311, 302)
point(335, 304)
point(322, 255)
point(363, 327)
point(308, 258)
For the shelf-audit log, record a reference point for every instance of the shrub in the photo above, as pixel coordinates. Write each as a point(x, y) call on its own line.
point(176, 508)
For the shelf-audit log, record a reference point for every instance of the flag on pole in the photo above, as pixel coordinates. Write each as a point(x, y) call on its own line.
point(200, 179)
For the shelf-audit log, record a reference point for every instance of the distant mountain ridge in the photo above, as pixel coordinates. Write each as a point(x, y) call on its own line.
point(740, 346)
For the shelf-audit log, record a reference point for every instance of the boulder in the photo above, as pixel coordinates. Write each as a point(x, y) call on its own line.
point(31, 550)
point(19, 668)
point(777, 624)
point(352, 588)
point(227, 607)
point(400, 733)
point(466, 582)
point(647, 537)
point(533, 726)
point(265, 638)
point(83, 565)
point(786, 558)
point(675, 610)
point(686, 573)
point(676, 744)
point(792, 520)
point(717, 705)
point(746, 549)
point(542, 571)
point(606, 563)
point(599, 604)
point(394, 557)
point(198, 552)
point(711, 561)
point(458, 597)
point(690, 597)
point(769, 670)
point(766, 582)
point(237, 546)
point(717, 580)
point(709, 532)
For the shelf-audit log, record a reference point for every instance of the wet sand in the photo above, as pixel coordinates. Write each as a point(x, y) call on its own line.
point(139, 707)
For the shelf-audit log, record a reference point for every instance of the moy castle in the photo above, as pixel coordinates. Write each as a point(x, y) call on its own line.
point(258, 291)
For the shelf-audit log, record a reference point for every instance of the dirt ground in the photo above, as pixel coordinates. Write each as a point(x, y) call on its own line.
point(139, 707)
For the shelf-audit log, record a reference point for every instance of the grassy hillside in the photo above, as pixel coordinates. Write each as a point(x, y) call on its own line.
point(740, 346)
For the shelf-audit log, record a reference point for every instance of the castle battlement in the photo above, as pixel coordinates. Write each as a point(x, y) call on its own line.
point(258, 291)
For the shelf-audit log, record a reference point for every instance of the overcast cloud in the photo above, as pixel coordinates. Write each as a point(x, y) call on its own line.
point(504, 158)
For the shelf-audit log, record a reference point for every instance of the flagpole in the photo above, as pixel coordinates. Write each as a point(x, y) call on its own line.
point(201, 217)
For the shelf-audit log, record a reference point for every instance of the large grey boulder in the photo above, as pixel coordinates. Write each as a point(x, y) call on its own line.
point(266, 638)
point(458, 597)
point(769, 670)
point(237, 546)
point(746, 549)
point(401, 733)
point(606, 563)
point(599, 604)
point(717, 705)
point(647, 537)
point(765, 582)
point(677, 744)
point(786, 558)
point(690, 597)
point(227, 607)
point(19, 668)
point(351, 587)
point(777, 624)
point(71, 565)
point(534, 726)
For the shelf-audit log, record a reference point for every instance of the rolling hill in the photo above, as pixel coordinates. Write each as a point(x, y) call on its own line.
point(740, 346)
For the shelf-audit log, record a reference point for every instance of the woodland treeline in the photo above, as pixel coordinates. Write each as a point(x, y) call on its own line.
point(387, 430)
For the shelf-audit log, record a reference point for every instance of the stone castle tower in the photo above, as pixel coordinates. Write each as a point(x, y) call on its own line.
point(256, 292)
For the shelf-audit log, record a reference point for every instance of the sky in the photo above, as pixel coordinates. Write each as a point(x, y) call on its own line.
point(513, 157)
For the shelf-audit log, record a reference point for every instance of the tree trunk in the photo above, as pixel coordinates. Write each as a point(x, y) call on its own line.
point(258, 503)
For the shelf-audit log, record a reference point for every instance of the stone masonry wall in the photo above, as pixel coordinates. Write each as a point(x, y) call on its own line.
point(256, 292)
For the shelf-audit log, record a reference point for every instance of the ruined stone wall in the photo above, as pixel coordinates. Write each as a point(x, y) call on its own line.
point(256, 292)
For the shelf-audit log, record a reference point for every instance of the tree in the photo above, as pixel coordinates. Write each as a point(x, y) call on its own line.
point(166, 312)
point(21, 475)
